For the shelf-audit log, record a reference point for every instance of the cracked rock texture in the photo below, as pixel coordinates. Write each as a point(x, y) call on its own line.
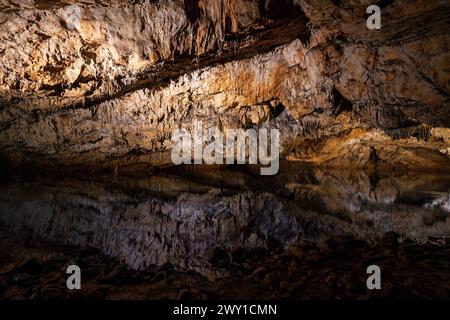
point(104, 84)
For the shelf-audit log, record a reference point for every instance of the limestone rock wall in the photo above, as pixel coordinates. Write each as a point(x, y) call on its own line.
point(108, 90)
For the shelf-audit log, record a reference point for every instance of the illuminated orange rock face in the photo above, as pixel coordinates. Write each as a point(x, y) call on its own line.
point(107, 90)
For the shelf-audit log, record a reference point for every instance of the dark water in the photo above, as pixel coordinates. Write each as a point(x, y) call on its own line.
point(203, 232)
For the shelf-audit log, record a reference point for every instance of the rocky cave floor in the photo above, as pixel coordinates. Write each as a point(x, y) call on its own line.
point(334, 270)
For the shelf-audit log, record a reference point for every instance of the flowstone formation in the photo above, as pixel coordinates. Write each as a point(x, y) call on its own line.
point(103, 84)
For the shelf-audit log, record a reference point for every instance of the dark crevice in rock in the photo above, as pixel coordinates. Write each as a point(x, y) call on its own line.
point(54, 90)
point(277, 110)
point(280, 9)
point(340, 103)
point(192, 10)
point(373, 155)
point(48, 4)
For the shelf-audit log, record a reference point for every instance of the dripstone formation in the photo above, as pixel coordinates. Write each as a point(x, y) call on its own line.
point(103, 84)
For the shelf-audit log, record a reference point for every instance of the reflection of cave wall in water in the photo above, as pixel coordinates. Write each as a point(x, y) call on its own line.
point(185, 222)
point(103, 95)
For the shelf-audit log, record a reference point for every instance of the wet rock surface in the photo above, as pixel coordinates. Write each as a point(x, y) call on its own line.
point(225, 234)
